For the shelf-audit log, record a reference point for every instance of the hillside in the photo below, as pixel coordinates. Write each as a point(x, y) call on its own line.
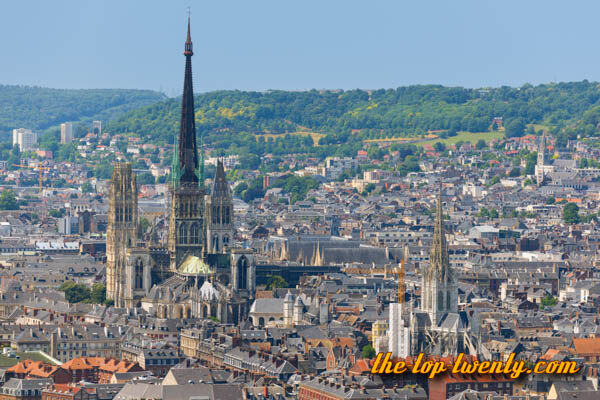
point(237, 121)
point(40, 108)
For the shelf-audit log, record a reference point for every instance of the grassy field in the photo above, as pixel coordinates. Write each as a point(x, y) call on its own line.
point(314, 135)
point(538, 127)
point(472, 137)
point(401, 139)
point(33, 356)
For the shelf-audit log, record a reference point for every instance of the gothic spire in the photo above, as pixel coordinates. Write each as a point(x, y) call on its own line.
point(220, 187)
point(401, 288)
point(187, 156)
point(438, 257)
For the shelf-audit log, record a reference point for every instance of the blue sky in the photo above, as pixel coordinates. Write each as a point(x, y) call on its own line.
point(297, 45)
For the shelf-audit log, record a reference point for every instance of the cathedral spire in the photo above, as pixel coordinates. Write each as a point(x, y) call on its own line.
point(438, 257)
point(188, 41)
point(187, 156)
point(220, 186)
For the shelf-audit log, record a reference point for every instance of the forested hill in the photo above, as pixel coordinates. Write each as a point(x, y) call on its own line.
point(40, 108)
point(229, 118)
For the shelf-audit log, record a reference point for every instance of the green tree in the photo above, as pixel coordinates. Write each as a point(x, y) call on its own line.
point(515, 128)
point(368, 352)
point(516, 171)
point(548, 301)
point(143, 226)
point(87, 187)
point(76, 292)
point(369, 188)
point(98, 293)
point(8, 200)
point(66, 285)
point(571, 213)
point(276, 281)
point(14, 158)
point(249, 161)
point(145, 178)
point(495, 179)
point(481, 144)
point(103, 171)
point(54, 213)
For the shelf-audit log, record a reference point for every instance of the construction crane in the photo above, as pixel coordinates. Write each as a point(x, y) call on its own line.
point(401, 289)
point(40, 170)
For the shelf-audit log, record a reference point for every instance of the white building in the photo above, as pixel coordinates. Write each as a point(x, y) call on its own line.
point(398, 332)
point(97, 127)
point(66, 133)
point(25, 139)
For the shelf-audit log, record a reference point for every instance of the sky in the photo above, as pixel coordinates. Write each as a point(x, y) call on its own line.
point(297, 45)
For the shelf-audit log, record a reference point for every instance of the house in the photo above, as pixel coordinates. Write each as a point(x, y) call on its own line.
point(25, 389)
point(38, 370)
point(588, 348)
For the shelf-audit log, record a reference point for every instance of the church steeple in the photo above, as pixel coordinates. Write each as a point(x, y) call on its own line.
point(438, 256)
point(187, 152)
point(220, 187)
point(440, 290)
point(188, 42)
point(186, 219)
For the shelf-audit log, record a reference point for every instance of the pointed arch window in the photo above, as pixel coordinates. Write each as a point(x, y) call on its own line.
point(183, 234)
point(242, 273)
point(194, 234)
point(139, 274)
point(226, 215)
point(440, 301)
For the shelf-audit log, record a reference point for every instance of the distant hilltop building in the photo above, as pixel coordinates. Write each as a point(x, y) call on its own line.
point(66, 133)
point(199, 274)
point(25, 139)
point(97, 127)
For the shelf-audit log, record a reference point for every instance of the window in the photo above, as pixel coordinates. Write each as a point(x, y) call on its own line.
point(226, 215)
point(182, 234)
point(194, 234)
point(139, 274)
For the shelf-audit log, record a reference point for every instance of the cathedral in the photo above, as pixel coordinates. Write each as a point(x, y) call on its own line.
point(437, 327)
point(199, 273)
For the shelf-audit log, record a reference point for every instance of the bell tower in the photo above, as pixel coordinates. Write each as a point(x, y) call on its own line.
point(121, 231)
point(219, 224)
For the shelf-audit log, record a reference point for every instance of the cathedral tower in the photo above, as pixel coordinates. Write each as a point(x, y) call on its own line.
point(186, 224)
point(440, 290)
point(219, 224)
point(121, 230)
